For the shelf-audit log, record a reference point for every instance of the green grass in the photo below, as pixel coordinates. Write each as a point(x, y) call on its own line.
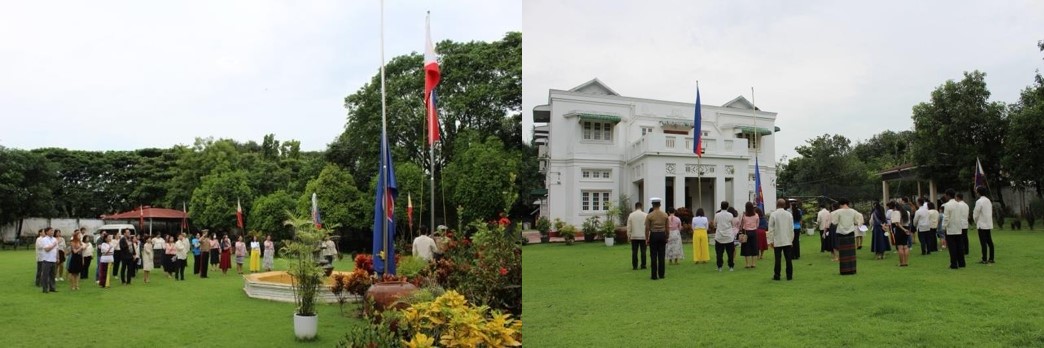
point(586, 295)
point(213, 312)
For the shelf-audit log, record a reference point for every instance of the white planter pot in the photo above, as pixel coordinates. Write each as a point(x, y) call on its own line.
point(810, 231)
point(609, 241)
point(305, 328)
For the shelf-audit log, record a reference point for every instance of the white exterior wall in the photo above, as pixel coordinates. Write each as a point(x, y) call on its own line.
point(632, 157)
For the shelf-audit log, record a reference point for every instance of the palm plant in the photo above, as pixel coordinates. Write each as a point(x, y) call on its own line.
point(305, 272)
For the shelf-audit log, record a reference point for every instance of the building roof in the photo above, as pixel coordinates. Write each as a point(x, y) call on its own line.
point(147, 212)
point(595, 86)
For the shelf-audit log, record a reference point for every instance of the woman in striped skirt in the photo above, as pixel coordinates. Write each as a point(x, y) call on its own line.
point(847, 221)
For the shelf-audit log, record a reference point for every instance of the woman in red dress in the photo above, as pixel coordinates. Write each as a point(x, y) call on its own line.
point(226, 254)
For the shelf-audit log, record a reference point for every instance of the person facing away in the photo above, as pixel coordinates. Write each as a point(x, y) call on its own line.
point(48, 247)
point(964, 223)
point(955, 213)
point(656, 224)
point(922, 225)
point(984, 223)
point(636, 233)
point(781, 234)
point(724, 236)
point(424, 246)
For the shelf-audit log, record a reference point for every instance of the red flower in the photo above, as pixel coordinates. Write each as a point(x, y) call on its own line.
point(503, 271)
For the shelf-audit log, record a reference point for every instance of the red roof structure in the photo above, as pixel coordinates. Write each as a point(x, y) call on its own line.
point(148, 212)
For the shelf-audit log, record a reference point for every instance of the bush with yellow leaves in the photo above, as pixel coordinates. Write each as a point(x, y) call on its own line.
point(449, 321)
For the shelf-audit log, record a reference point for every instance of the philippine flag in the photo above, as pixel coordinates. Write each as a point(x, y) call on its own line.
point(432, 75)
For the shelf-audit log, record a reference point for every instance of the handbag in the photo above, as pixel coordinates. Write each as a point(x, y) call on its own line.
point(743, 237)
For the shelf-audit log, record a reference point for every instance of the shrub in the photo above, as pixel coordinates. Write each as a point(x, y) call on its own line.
point(453, 322)
point(304, 270)
point(543, 225)
point(410, 266)
point(591, 225)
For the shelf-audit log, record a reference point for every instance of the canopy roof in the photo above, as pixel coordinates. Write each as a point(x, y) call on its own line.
point(147, 212)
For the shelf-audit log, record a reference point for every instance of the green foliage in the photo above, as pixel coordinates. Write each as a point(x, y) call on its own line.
point(304, 269)
point(481, 179)
point(591, 225)
point(268, 214)
point(485, 233)
point(487, 271)
point(410, 266)
point(568, 232)
point(26, 185)
point(957, 125)
point(372, 334)
point(340, 203)
point(214, 201)
point(543, 225)
point(1023, 159)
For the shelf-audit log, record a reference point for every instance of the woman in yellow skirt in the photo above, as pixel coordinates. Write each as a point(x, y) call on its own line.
point(700, 246)
point(255, 255)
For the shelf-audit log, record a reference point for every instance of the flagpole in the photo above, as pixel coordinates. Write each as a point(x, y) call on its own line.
point(699, 156)
point(431, 138)
point(754, 138)
point(384, 138)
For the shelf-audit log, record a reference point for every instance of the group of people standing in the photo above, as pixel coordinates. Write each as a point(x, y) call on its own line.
point(841, 228)
point(126, 253)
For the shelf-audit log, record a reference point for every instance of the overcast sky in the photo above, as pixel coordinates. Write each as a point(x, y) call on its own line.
point(839, 67)
point(120, 75)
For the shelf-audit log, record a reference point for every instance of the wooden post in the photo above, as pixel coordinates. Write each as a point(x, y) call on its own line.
point(884, 191)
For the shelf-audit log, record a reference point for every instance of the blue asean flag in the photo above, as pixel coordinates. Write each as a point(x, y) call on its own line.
point(697, 127)
point(759, 197)
point(383, 213)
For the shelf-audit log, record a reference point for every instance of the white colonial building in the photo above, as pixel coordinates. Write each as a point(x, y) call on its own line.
point(596, 145)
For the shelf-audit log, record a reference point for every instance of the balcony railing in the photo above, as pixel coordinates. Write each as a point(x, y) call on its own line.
point(658, 143)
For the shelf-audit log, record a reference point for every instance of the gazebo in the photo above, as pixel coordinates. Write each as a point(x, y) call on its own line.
point(162, 217)
point(905, 172)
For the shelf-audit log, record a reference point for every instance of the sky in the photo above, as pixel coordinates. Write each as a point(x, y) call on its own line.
point(123, 75)
point(837, 67)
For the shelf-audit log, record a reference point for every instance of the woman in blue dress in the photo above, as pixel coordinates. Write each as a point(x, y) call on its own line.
point(879, 243)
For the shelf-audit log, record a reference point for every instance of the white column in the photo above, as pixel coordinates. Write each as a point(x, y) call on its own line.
point(655, 182)
point(679, 191)
point(719, 187)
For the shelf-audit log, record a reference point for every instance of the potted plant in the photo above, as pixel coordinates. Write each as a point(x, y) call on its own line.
point(591, 228)
point(568, 232)
point(305, 273)
point(544, 226)
point(608, 229)
point(558, 228)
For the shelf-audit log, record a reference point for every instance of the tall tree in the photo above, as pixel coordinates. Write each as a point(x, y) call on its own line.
point(480, 90)
point(482, 178)
point(26, 186)
point(957, 125)
point(214, 202)
point(1023, 158)
point(268, 214)
point(340, 202)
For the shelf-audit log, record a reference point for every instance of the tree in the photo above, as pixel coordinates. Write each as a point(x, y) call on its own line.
point(340, 202)
point(827, 167)
point(956, 126)
point(1023, 158)
point(482, 178)
point(214, 202)
point(26, 186)
point(268, 214)
point(480, 90)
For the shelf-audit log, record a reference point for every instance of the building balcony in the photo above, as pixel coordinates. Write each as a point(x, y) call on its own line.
point(680, 145)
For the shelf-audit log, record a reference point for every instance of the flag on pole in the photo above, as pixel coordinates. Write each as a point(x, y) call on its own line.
point(431, 79)
point(384, 213)
point(316, 218)
point(759, 196)
point(141, 217)
point(184, 219)
point(409, 210)
point(980, 175)
point(697, 126)
point(239, 214)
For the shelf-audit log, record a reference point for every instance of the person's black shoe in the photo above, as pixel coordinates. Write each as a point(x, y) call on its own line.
point(991, 261)
point(859, 248)
point(790, 278)
point(984, 262)
point(775, 278)
point(654, 278)
point(643, 267)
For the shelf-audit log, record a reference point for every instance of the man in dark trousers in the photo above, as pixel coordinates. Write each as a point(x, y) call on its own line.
point(126, 258)
point(656, 235)
point(117, 254)
point(636, 233)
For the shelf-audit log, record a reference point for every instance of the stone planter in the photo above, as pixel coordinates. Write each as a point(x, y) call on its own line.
point(590, 237)
point(545, 239)
point(385, 294)
point(621, 234)
point(609, 241)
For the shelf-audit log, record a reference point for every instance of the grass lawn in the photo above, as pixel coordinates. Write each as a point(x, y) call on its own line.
point(213, 312)
point(587, 295)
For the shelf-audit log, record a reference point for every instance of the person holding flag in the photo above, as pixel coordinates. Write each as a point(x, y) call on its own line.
point(984, 223)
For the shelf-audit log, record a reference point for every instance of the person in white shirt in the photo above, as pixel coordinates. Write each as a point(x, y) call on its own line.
point(781, 234)
point(105, 259)
point(181, 257)
point(39, 255)
point(847, 220)
point(724, 236)
point(964, 223)
point(955, 213)
point(159, 247)
point(923, 224)
point(47, 246)
point(934, 234)
point(828, 242)
point(636, 233)
point(424, 246)
point(984, 223)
